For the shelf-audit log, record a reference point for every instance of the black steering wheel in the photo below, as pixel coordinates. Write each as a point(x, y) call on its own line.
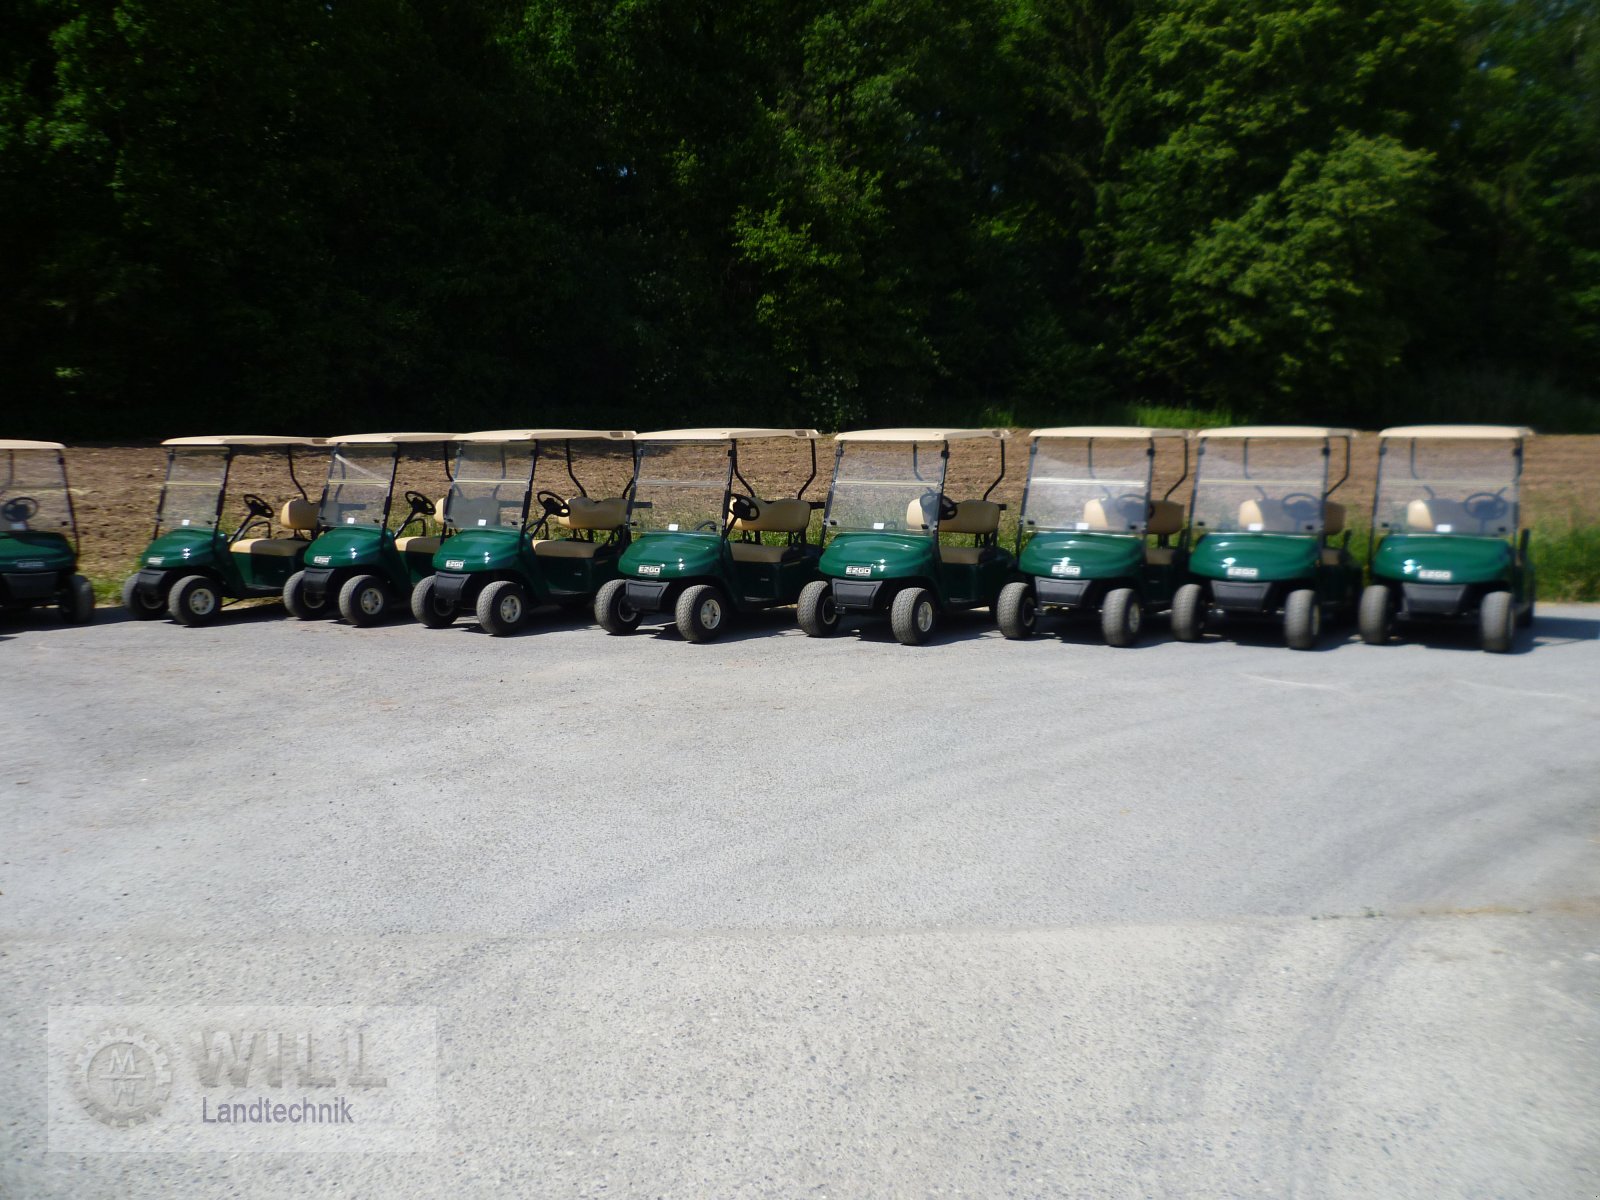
point(1132, 507)
point(743, 507)
point(707, 526)
point(553, 504)
point(1302, 506)
point(19, 508)
point(942, 504)
point(1485, 506)
point(420, 505)
point(257, 506)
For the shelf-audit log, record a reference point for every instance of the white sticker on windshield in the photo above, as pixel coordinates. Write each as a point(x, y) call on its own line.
point(1255, 527)
point(185, 521)
point(349, 520)
point(877, 524)
point(672, 527)
point(483, 520)
point(1081, 525)
point(1444, 528)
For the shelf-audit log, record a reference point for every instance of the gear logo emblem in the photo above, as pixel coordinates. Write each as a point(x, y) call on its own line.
point(122, 1076)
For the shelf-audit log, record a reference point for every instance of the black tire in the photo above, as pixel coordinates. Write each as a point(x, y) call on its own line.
point(612, 610)
point(1189, 613)
point(1121, 617)
point(364, 600)
point(1302, 619)
point(426, 609)
point(1376, 615)
point(296, 603)
point(816, 611)
point(913, 616)
point(77, 602)
point(1017, 611)
point(502, 607)
point(194, 600)
point(138, 607)
point(702, 613)
point(1497, 622)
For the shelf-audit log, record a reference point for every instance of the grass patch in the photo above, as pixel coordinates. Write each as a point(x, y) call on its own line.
point(1566, 559)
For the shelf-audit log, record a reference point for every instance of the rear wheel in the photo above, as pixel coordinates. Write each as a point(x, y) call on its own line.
point(816, 611)
point(1376, 615)
point(1017, 611)
point(1121, 617)
point(298, 603)
point(428, 608)
point(701, 613)
point(502, 607)
point(1497, 622)
point(194, 600)
point(364, 600)
point(1302, 619)
point(77, 602)
point(138, 607)
point(612, 610)
point(913, 616)
point(1189, 613)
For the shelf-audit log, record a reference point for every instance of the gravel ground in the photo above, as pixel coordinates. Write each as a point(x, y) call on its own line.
point(776, 916)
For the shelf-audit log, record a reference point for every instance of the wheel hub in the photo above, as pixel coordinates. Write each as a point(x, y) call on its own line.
point(710, 613)
point(201, 602)
point(510, 609)
point(371, 601)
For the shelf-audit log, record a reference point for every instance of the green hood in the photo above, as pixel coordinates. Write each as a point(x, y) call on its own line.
point(1255, 556)
point(181, 548)
point(479, 550)
point(346, 546)
point(1083, 555)
point(35, 550)
point(1442, 558)
point(672, 556)
point(884, 555)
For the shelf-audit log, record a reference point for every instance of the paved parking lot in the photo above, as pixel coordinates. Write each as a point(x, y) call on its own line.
point(780, 917)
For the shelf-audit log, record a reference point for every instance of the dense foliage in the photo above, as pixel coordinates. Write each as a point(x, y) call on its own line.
point(365, 213)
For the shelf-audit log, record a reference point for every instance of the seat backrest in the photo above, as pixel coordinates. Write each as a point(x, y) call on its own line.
point(779, 516)
point(916, 515)
point(585, 512)
point(1427, 516)
point(299, 515)
point(1166, 517)
point(439, 507)
point(1332, 517)
point(1104, 515)
point(1269, 516)
point(973, 516)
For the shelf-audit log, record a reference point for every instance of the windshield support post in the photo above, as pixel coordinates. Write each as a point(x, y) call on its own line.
point(998, 477)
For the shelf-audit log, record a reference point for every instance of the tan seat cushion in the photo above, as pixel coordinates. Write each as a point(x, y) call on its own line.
point(756, 552)
point(778, 516)
point(1166, 517)
point(297, 514)
point(589, 513)
point(1158, 556)
point(964, 556)
point(1332, 516)
point(914, 515)
point(565, 548)
point(279, 547)
point(973, 516)
point(1426, 516)
point(1114, 515)
point(417, 545)
point(1330, 556)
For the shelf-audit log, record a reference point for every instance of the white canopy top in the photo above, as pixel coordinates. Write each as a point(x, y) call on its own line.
point(241, 439)
point(722, 435)
point(1276, 431)
point(17, 444)
point(547, 435)
point(1458, 431)
point(1107, 431)
point(388, 439)
point(919, 435)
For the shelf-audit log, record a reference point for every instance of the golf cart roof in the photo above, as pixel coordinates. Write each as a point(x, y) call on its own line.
point(20, 444)
point(1276, 431)
point(723, 435)
point(547, 435)
point(388, 439)
point(1457, 431)
point(919, 435)
point(1140, 432)
point(241, 439)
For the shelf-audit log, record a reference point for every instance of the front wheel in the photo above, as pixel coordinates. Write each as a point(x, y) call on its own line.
point(1017, 611)
point(1497, 622)
point(701, 613)
point(913, 616)
point(364, 600)
point(1189, 613)
point(1121, 617)
point(138, 607)
point(298, 603)
point(1302, 619)
point(816, 610)
point(502, 607)
point(77, 602)
point(194, 600)
point(427, 608)
point(1375, 615)
point(612, 610)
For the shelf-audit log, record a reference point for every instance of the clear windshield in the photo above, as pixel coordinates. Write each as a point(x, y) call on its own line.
point(359, 478)
point(1261, 485)
point(1448, 485)
point(491, 485)
point(1098, 484)
point(682, 486)
point(195, 479)
point(886, 485)
point(33, 492)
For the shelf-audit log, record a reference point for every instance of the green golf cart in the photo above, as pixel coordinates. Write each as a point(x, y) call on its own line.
point(193, 565)
point(39, 533)
point(1265, 532)
point(1088, 515)
point(889, 516)
point(1448, 542)
point(358, 564)
point(705, 551)
point(501, 556)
